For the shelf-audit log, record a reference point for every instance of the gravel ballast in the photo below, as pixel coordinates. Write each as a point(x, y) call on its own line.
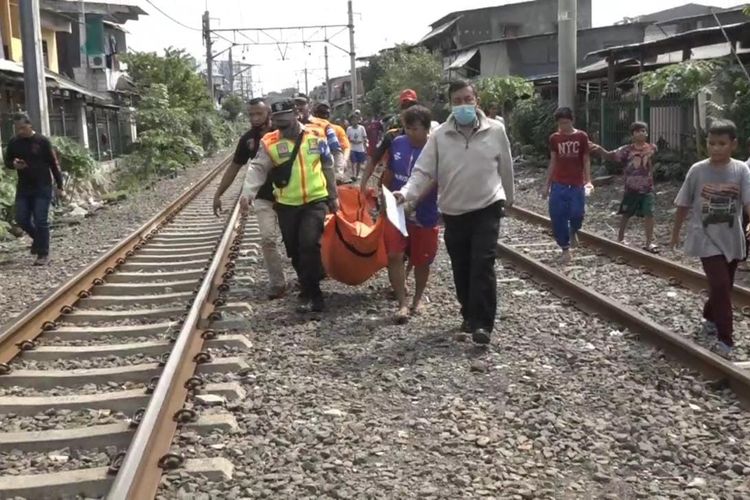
point(72, 247)
point(562, 405)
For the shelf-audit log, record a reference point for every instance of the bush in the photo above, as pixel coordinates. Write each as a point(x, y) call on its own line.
point(532, 123)
point(232, 106)
point(75, 160)
point(211, 131)
point(7, 200)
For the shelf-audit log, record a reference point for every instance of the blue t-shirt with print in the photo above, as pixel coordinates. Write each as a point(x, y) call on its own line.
point(401, 159)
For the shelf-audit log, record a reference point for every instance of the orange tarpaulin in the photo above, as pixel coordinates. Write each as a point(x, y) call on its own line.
point(352, 248)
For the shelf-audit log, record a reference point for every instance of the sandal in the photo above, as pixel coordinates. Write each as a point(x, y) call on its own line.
point(652, 248)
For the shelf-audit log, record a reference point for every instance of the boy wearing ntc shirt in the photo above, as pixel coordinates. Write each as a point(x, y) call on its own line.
point(568, 181)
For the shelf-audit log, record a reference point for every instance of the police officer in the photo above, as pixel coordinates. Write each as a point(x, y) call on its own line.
point(298, 161)
point(321, 116)
point(302, 106)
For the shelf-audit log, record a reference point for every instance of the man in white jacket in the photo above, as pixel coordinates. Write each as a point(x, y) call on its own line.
point(469, 158)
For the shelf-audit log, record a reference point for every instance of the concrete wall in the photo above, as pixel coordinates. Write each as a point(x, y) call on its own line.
point(537, 56)
point(531, 18)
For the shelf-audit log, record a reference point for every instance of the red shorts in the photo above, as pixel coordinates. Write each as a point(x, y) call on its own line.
point(422, 242)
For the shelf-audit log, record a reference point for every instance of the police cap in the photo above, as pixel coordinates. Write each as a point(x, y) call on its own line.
point(285, 106)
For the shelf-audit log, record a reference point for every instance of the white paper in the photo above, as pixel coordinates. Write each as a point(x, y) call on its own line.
point(394, 211)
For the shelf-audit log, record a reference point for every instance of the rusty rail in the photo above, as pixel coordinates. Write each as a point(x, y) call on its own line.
point(708, 363)
point(21, 331)
point(140, 472)
point(659, 266)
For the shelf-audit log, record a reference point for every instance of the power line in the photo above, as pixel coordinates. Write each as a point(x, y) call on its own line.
point(170, 17)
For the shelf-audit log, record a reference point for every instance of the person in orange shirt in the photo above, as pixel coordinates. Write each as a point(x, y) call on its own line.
point(302, 107)
point(322, 111)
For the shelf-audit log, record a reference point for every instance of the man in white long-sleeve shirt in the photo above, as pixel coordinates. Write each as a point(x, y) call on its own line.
point(469, 158)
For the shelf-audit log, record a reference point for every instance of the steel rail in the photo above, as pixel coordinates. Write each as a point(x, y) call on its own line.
point(148, 454)
point(659, 266)
point(20, 332)
point(708, 363)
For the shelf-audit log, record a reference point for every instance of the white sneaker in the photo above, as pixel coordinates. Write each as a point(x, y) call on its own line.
point(723, 350)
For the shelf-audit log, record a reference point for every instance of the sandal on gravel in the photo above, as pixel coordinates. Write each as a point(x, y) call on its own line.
point(652, 248)
point(401, 318)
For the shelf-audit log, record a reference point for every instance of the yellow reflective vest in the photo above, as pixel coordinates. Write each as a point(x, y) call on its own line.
point(307, 182)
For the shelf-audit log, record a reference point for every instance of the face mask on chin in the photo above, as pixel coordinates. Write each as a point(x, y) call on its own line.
point(465, 114)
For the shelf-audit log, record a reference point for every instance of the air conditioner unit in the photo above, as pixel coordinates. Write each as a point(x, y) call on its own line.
point(98, 61)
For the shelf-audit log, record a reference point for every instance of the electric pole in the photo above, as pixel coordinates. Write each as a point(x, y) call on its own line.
point(306, 87)
point(34, 82)
point(231, 71)
point(209, 55)
point(328, 85)
point(567, 52)
point(352, 55)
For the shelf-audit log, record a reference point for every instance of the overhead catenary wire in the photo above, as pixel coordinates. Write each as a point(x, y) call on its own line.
point(172, 18)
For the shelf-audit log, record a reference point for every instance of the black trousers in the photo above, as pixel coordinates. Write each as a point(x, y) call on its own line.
point(471, 240)
point(301, 228)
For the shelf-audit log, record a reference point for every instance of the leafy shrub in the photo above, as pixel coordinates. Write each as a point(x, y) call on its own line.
point(7, 200)
point(211, 131)
point(232, 106)
point(75, 160)
point(531, 124)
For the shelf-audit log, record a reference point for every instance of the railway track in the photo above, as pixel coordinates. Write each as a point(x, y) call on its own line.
point(96, 378)
point(649, 295)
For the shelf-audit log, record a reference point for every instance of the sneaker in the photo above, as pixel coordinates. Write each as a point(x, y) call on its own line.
point(723, 349)
point(481, 336)
point(42, 260)
point(573, 239)
point(708, 329)
point(565, 257)
point(317, 304)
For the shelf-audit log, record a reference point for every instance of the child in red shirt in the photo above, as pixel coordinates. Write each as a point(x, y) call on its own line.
point(568, 181)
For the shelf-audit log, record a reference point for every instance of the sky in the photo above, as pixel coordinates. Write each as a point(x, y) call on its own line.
point(378, 24)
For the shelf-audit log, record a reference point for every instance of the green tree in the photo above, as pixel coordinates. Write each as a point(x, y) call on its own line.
point(503, 91)
point(232, 106)
point(398, 69)
point(683, 79)
point(177, 71)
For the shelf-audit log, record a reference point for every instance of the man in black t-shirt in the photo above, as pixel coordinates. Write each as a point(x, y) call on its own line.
point(31, 155)
point(247, 148)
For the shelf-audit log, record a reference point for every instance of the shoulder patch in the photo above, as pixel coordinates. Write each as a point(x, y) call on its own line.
point(282, 149)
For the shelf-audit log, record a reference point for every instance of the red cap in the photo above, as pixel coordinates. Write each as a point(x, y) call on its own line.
point(408, 95)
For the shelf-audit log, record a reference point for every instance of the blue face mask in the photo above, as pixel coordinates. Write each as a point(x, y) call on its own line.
point(466, 114)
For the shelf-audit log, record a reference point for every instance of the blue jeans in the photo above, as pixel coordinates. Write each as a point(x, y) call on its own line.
point(567, 206)
point(32, 209)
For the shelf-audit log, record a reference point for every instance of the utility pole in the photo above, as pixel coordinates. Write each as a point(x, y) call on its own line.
point(242, 84)
point(34, 82)
point(231, 71)
point(353, 56)
point(567, 52)
point(209, 54)
point(328, 85)
point(306, 87)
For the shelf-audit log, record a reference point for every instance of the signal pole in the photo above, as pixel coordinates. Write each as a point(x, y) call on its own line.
point(567, 52)
point(34, 81)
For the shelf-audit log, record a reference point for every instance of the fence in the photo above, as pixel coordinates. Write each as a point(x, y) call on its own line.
point(670, 121)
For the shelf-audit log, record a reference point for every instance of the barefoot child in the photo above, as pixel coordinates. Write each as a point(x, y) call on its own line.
point(568, 181)
point(421, 224)
point(638, 199)
point(714, 194)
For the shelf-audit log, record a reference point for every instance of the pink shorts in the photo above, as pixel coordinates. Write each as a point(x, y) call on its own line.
point(422, 242)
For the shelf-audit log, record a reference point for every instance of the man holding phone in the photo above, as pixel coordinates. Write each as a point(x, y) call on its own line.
point(32, 157)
